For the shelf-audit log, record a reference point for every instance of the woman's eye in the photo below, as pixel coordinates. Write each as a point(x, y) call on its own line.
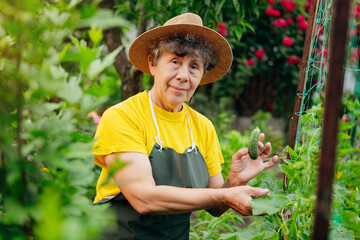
point(175, 61)
point(194, 67)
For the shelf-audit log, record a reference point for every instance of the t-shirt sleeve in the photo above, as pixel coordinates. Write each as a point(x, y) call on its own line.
point(118, 131)
point(213, 155)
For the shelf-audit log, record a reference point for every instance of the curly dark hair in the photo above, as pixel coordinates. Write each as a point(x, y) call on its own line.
point(182, 45)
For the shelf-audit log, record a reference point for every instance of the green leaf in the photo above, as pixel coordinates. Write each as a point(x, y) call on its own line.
point(238, 32)
point(268, 205)
point(236, 5)
point(63, 52)
point(271, 184)
point(57, 72)
point(291, 152)
point(71, 91)
point(218, 7)
point(256, 230)
point(97, 66)
point(90, 103)
point(287, 170)
point(338, 232)
point(351, 220)
point(95, 35)
point(104, 18)
point(79, 150)
point(248, 25)
point(56, 17)
point(84, 56)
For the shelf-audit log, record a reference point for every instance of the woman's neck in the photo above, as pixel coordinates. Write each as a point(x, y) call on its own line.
point(163, 103)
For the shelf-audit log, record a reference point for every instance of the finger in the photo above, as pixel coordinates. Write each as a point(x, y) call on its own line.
point(267, 148)
point(261, 137)
point(266, 152)
point(261, 148)
point(258, 192)
point(240, 153)
point(245, 212)
point(272, 162)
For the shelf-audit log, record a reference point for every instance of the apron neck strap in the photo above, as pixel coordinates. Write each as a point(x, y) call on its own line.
point(157, 138)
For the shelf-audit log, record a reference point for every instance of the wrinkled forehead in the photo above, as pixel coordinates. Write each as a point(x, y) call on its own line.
point(192, 55)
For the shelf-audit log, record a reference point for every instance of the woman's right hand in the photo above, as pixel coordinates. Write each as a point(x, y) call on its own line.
point(238, 198)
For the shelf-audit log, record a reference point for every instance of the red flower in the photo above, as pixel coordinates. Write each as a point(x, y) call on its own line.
point(345, 118)
point(271, 2)
point(260, 54)
point(289, 8)
point(288, 42)
point(303, 25)
point(271, 106)
point(307, 6)
point(272, 12)
point(358, 8)
point(290, 21)
point(280, 23)
point(222, 29)
point(356, 14)
point(250, 62)
point(293, 59)
point(358, 27)
point(289, 5)
point(300, 18)
point(95, 117)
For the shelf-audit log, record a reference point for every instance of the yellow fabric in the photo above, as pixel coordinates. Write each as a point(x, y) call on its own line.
point(129, 127)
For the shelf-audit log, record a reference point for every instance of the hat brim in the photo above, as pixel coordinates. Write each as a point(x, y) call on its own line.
point(139, 50)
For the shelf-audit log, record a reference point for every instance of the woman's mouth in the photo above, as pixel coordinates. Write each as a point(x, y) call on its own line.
point(178, 88)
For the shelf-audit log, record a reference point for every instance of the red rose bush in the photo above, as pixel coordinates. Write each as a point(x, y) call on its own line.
point(269, 57)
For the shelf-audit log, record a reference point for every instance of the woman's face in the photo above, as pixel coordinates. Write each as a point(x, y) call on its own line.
point(175, 79)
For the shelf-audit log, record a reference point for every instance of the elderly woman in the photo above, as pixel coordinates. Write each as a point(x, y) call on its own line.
point(172, 153)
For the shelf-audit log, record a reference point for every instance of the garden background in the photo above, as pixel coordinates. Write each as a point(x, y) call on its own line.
point(62, 63)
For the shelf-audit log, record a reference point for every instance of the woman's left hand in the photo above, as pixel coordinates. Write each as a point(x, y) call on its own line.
point(243, 168)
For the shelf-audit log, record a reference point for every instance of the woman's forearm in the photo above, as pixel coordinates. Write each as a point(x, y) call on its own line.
point(172, 200)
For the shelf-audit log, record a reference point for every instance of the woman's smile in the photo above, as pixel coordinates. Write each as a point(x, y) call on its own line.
point(179, 89)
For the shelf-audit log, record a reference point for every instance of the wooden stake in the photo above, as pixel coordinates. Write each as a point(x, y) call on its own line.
point(302, 75)
point(333, 95)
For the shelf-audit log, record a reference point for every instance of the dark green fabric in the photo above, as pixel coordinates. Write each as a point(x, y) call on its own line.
point(181, 170)
point(169, 168)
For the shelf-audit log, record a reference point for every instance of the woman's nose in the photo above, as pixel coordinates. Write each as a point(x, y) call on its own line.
point(183, 73)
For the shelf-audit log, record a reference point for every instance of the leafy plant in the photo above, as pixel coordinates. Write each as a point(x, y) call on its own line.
point(290, 213)
point(52, 74)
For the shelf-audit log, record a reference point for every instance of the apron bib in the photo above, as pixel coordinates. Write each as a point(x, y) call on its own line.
point(169, 168)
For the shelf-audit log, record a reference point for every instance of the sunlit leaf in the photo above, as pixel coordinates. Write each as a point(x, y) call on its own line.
point(269, 205)
point(71, 91)
point(103, 18)
point(97, 66)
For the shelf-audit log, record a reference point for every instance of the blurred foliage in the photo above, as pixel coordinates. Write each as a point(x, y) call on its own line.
point(54, 70)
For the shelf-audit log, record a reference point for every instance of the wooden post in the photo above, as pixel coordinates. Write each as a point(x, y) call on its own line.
point(302, 75)
point(334, 88)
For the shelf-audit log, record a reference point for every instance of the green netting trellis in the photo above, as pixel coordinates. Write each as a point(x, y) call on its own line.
point(317, 65)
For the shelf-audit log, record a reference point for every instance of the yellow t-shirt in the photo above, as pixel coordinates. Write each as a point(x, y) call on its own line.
point(129, 127)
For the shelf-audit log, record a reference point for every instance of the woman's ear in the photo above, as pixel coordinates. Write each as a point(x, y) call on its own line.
point(151, 65)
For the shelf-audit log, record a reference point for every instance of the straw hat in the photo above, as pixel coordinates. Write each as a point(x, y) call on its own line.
point(185, 23)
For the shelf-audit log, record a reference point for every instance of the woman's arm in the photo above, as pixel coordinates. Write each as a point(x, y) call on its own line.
point(138, 186)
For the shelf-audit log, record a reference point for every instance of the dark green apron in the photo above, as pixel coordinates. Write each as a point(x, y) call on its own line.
point(169, 168)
